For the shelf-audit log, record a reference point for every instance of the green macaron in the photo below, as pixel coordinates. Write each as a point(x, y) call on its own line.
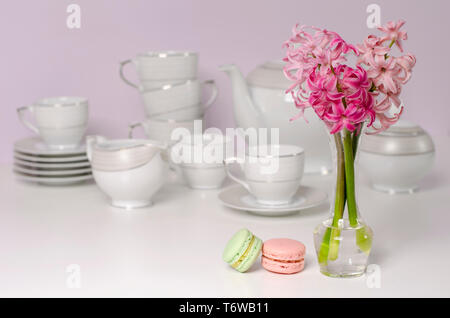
point(242, 250)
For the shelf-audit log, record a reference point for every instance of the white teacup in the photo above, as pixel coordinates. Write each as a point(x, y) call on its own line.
point(204, 177)
point(200, 158)
point(145, 85)
point(60, 121)
point(272, 173)
point(183, 114)
point(173, 97)
point(163, 65)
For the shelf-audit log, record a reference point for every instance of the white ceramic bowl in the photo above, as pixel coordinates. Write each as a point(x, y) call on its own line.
point(204, 176)
point(128, 185)
point(396, 174)
point(397, 159)
point(200, 159)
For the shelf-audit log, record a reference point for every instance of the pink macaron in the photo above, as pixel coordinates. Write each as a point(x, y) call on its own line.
point(283, 256)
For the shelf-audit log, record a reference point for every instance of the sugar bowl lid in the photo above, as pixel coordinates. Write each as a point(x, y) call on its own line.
point(269, 75)
point(403, 138)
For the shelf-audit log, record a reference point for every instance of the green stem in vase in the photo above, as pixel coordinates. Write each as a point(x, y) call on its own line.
point(330, 243)
point(350, 178)
point(355, 140)
point(339, 203)
point(363, 239)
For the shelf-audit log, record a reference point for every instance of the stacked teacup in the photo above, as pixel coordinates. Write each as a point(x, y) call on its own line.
point(169, 86)
point(56, 155)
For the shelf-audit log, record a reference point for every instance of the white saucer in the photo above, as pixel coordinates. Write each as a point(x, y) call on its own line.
point(54, 172)
point(50, 165)
point(35, 146)
point(237, 197)
point(50, 159)
point(54, 180)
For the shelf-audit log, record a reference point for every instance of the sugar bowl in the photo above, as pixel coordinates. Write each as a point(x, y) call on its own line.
point(397, 159)
point(129, 171)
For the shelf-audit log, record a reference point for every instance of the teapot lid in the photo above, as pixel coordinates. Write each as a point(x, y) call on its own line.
point(269, 75)
point(402, 138)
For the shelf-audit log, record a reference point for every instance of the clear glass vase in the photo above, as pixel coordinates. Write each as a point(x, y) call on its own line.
point(343, 241)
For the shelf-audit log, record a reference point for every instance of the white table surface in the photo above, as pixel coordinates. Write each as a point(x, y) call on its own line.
point(174, 248)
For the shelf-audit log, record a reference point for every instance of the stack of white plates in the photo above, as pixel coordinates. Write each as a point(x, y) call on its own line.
point(35, 162)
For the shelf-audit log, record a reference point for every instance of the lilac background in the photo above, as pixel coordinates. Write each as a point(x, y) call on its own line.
point(42, 57)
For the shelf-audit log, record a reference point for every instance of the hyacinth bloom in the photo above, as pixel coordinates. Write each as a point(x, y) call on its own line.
point(317, 58)
point(347, 117)
point(345, 98)
point(393, 33)
point(370, 48)
point(384, 73)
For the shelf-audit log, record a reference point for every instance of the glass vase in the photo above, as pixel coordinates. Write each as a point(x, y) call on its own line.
point(343, 241)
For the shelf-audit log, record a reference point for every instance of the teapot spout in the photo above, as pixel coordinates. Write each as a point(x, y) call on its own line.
point(246, 113)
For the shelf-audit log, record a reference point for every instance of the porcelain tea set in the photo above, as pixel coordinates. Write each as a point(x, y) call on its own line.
point(130, 171)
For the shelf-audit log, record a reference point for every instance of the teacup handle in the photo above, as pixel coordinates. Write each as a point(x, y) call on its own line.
point(122, 76)
point(131, 127)
point(229, 161)
point(214, 92)
point(20, 112)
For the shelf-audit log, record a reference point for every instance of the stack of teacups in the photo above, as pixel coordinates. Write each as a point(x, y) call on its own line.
point(169, 86)
point(129, 171)
point(57, 155)
point(272, 173)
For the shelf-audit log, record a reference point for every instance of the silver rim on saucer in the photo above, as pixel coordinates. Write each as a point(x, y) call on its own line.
point(232, 197)
point(47, 159)
point(50, 172)
point(59, 180)
point(51, 165)
point(34, 146)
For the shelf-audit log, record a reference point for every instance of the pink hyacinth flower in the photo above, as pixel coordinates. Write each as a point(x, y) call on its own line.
point(384, 73)
point(342, 117)
point(372, 46)
point(406, 62)
point(393, 33)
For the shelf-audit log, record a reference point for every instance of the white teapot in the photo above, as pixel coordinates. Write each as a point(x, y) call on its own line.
point(261, 101)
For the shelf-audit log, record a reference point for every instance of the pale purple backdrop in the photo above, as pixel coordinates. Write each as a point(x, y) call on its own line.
point(41, 57)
